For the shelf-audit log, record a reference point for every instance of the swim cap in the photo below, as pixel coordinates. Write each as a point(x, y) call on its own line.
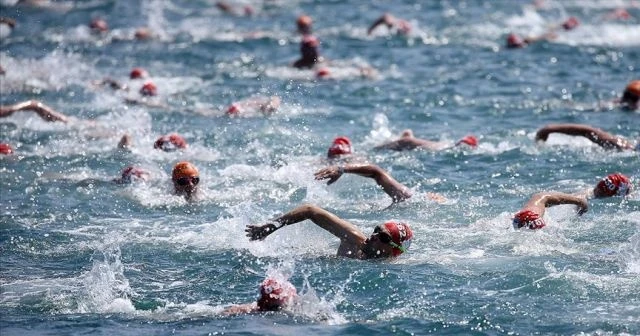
point(233, 109)
point(340, 146)
point(304, 23)
point(137, 73)
point(401, 234)
point(613, 185)
point(571, 23)
point(528, 219)
point(515, 41)
point(171, 142)
point(633, 88)
point(133, 173)
point(275, 294)
point(184, 169)
point(323, 73)
point(149, 89)
point(5, 149)
point(469, 140)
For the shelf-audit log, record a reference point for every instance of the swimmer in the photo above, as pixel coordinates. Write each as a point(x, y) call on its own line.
point(303, 23)
point(264, 105)
point(6, 149)
point(99, 26)
point(408, 141)
point(132, 174)
point(310, 56)
point(514, 41)
point(185, 178)
point(136, 73)
point(631, 96)
point(530, 216)
point(400, 26)
point(45, 112)
point(390, 239)
point(170, 142)
point(274, 296)
point(596, 135)
point(611, 185)
point(340, 148)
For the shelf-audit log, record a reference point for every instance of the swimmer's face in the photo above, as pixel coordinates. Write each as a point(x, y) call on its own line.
point(187, 184)
point(374, 247)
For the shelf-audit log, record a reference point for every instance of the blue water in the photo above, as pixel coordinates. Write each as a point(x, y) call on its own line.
point(81, 255)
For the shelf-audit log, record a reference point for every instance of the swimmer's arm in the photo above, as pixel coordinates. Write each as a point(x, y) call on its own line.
point(596, 135)
point(396, 190)
point(543, 200)
point(323, 218)
point(385, 19)
point(246, 308)
point(45, 112)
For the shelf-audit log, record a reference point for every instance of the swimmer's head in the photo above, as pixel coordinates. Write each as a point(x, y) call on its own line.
point(570, 23)
point(137, 73)
point(233, 109)
point(468, 140)
point(185, 178)
point(304, 23)
point(340, 146)
point(309, 47)
point(527, 219)
point(149, 89)
point(323, 73)
point(132, 173)
point(612, 185)
point(397, 235)
point(5, 149)
point(515, 41)
point(275, 294)
point(170, 142)
point(631, 95)
point(142, 33)
point(99, 25)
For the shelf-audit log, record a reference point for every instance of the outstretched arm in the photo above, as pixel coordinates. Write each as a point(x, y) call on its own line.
point(45, 112)
point(540, 201)
point(396, 190)
point(323, 218)
point(385, 19)
point(596, 135)
point(407, 142)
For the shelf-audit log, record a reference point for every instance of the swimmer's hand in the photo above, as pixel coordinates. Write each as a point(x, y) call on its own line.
point(331, 173)
point(260, 232)
point(583, 206)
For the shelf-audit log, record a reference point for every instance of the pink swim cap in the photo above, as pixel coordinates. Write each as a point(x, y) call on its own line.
point(275, 294)
point(5, 149)
point(149, 89)
point(137, 73)
point(340, 146)
point(613, 185)
point(170, 142)
point(528, 219)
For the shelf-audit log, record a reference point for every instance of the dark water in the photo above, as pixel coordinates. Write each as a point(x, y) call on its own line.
point(81, 255)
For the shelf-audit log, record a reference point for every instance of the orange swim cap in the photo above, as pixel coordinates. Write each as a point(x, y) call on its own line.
point(304, 23)
point(634, 88)
point(184, 169)
point(5, 149)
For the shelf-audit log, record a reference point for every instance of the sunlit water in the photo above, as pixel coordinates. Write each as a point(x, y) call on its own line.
point(82, 255)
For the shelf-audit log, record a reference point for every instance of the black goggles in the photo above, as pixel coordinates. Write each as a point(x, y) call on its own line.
point(183, 181)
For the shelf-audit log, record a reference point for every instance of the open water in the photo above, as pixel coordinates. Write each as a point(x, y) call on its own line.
point(80, 255)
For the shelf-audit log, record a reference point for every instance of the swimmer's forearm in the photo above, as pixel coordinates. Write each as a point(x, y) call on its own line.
point(396, 190)
point(550, 199)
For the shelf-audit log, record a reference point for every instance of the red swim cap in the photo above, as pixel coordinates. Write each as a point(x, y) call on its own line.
point(137, 73)
point(323, 73)
point(233, 109)
point(99, 25)
point(170, 142)
point(275, 294)
point(613, 185)
point(5, 149)
point(149, 89)
point(515, 41)
point(634, 88)
point(401, 235)
point(528, 219)
point(340, 146)
point(571, 23)
point(469, 140)
point(132, 173)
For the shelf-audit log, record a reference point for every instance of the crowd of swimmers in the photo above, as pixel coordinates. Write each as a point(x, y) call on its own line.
point(387, 240)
